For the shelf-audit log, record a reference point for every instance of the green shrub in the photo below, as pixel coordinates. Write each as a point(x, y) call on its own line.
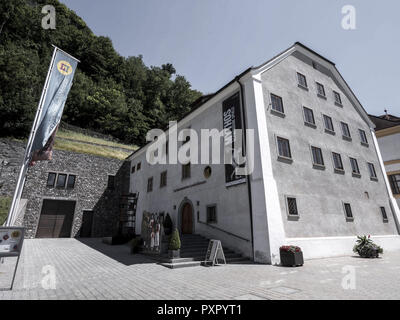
point(5, 203)
point(366, 248)
point(174, 241)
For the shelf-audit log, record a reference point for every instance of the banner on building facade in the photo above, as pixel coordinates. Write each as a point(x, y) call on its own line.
point(232, 120)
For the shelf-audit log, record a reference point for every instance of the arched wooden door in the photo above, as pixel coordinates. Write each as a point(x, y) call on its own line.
point(187, 219)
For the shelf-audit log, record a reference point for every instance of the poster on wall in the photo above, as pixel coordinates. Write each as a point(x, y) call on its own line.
point(231, 120)
point(152, 231)
point(11, 239)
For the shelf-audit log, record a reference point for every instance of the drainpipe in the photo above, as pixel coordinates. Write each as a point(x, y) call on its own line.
point(244, 124)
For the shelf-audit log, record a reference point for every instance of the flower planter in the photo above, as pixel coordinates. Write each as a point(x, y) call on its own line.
point(174, 253)
point(291, 259)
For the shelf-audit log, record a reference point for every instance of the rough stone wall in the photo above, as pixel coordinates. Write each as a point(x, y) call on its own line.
point(90, 192)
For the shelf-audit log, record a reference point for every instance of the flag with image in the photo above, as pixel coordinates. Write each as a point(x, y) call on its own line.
point(58, 84)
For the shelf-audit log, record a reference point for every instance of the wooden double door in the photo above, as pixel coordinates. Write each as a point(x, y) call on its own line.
point(187, 219)
point(56, 219)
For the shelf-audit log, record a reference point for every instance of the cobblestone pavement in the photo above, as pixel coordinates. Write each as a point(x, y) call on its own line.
point(89, 269)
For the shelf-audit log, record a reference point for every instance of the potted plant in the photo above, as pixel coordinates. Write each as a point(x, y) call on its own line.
point(167, 225)
point(291, 256)
point(174, 245)
point(366, 248)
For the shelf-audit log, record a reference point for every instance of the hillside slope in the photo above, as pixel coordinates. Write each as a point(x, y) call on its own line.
point(111, 94)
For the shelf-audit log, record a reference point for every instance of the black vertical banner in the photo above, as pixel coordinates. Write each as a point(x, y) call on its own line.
point(231, 120)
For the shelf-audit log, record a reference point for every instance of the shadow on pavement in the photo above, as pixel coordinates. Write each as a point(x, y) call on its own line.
point(120, 253)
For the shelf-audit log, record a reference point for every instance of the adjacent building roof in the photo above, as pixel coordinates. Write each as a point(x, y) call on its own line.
point(385, 121)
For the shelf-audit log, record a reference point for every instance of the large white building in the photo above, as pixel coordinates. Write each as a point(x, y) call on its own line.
point(318, 178)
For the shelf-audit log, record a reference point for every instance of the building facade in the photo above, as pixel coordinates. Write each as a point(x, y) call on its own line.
point(388, 135)
point(317, 181)
point(73, 195)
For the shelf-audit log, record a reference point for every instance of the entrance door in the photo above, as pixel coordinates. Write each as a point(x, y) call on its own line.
point(187, 221)
point(56, 219)
point(87, 221)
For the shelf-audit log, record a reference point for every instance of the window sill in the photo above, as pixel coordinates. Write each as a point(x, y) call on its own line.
point(311, 125)
point(292, 217)
point(374, 178)
point(365, 144)
point(321, 96)
point(339, 171)
point(278, 113)
point(338, 104)
point(302, 87)
point(318, 166)
point(356, 175)
point(330, 132)
point(285, 159)
point(347, 138)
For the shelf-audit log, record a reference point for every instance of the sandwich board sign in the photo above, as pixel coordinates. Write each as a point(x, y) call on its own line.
point(214, 253)
point(11, 240)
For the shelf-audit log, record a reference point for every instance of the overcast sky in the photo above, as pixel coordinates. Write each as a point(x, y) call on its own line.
point(211, 41)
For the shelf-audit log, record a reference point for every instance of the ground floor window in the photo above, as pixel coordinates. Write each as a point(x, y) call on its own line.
point(211, 214)
point(292, 206)
point(348, 212)
point(384, 215)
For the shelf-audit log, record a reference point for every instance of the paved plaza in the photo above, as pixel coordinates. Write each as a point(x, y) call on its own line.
point(89, 269)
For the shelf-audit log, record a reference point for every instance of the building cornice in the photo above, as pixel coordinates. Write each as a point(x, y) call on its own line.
point(388, 131)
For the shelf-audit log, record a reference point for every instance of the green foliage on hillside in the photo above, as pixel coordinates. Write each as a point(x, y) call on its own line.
point(111, 94)
point(5, 203)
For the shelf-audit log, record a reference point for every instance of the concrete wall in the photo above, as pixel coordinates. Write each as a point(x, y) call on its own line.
point(90, 192)
point(320, 193)
point(233, 214)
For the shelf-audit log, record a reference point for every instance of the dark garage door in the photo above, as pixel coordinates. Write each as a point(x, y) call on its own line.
point(56, 219)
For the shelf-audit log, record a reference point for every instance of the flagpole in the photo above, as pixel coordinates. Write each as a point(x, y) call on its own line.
point(27, 156)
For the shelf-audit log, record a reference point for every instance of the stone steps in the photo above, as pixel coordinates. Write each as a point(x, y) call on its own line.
point(193, 251)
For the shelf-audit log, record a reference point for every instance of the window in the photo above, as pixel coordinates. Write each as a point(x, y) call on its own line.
point(309, 116)
point(61, 179)
point(328, 123)
point(51, 179)
point(354, 166)
point(363, 137)
point(292, 206)
point(337, 161)
point(384, 215)
point(348, 212)
point(207, 172)
point(186, 171)
point(71, 181)
point(212, 214)
point(320, 90)
point(302, 80)
point(372, 172)
point(133, 169)
point(395, 183)
point(318, 159)
point(150, 184)
point(284, 148)
point(163, 179)
point(139, 165)
point(111, 183)
point(277, 103)
point(338, 99)
point(345, 130)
